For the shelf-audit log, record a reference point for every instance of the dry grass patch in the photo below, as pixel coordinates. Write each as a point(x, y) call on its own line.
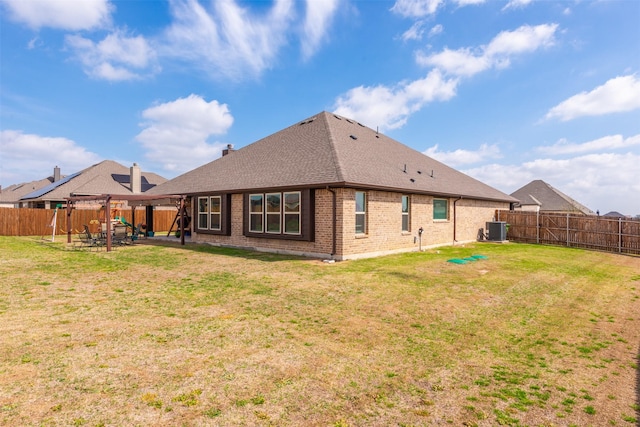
point(165, 335)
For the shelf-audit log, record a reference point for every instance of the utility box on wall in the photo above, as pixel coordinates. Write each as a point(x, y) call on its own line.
point(497, 231)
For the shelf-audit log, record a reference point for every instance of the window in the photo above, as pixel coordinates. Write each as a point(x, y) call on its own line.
point(203, 213)
point(273, 212)
point(256, 210)
point(440, 209)
point(216, 213)
point(405, 213)
point(280, 212)
point(210, 213)
point(361, 212)
point(292, 213)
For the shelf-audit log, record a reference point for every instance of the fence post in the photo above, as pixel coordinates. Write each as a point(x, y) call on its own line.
point(567, 229)
point(538, 227)
point(620, 235)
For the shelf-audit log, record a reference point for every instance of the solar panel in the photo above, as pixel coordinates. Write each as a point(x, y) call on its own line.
point(47, 188)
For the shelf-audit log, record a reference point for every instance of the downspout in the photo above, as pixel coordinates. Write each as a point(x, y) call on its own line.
point(455, 238)
point(334, 225)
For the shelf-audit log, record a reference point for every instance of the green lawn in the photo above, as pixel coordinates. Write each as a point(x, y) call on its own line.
point(169, 335)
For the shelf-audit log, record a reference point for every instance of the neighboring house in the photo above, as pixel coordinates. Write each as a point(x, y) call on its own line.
point(331, 187)
point(538, 196)
point(11, 195)
point(615, 214)
point(106, 177)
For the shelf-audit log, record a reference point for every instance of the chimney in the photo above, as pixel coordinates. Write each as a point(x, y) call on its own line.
point(56, 174)
point(228, 150)
point(135, 179)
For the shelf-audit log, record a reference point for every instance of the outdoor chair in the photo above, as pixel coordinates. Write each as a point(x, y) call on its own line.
point(87, 240)
point(120, 235)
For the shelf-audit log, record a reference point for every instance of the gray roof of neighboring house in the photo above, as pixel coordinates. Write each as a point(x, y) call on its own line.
point(13, 193)
point(106, 177)
point(329, 150)
point(550, 199)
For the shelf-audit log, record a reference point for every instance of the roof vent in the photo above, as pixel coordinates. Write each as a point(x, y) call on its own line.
point(228, 150)
point(339, 118)
point(349, 121)
point(412, 180)
point(353, 137)
point(360, 124)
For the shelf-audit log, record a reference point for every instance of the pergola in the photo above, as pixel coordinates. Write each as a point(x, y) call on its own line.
point(133, 200)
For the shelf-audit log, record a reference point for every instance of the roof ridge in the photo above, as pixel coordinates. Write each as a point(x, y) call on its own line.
point(332, 142)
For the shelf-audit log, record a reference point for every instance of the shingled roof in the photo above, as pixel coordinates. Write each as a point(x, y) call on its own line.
point(13, 193)
point(329, 150)
point(549, 199)
point(106, 177)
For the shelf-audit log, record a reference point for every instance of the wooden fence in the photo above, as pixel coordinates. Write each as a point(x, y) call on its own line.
point(38, 222)
point(580, 231)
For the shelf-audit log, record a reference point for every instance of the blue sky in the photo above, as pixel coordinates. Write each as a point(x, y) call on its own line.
point(505, 91)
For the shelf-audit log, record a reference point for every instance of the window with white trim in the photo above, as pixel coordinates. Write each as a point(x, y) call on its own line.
point(256, 213)
point(405, 213)
point(210, 213)
point(292, 213)
point(361, 212)
point(203, 213)
point(275, 213)
point(216, 213)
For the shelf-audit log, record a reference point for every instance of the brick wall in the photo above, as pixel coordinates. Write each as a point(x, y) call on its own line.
point(384, 225)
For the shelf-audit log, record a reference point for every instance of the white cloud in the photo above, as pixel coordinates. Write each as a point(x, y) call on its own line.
point(464, 157)
point(462, 3)
point(416, 8)
point(389, 107)
point(611, 142)
point(516, 4)
point(605, 181)
point(435, 30)
point(618, 95)
point(61, 14)
point(497, 54)
point(415, 32)
point(117, 57)
point(19, 164)
point(175, 134)
point(229, 41)
point(317, 19)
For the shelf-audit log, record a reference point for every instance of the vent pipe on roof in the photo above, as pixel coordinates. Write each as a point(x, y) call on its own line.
point(56, 174)
point(228, 150)
point(135, 179)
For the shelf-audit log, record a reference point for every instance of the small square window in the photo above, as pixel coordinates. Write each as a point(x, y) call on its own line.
point(440, 209)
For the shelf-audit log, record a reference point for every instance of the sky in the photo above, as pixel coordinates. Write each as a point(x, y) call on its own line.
point(504, 91)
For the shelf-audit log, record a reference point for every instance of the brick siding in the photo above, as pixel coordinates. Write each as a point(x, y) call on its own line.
point(384, 225)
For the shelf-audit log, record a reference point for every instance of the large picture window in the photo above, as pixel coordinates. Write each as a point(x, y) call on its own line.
point(361, 212)
point(405, 213)
point(275, 213)
point(440, 209)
